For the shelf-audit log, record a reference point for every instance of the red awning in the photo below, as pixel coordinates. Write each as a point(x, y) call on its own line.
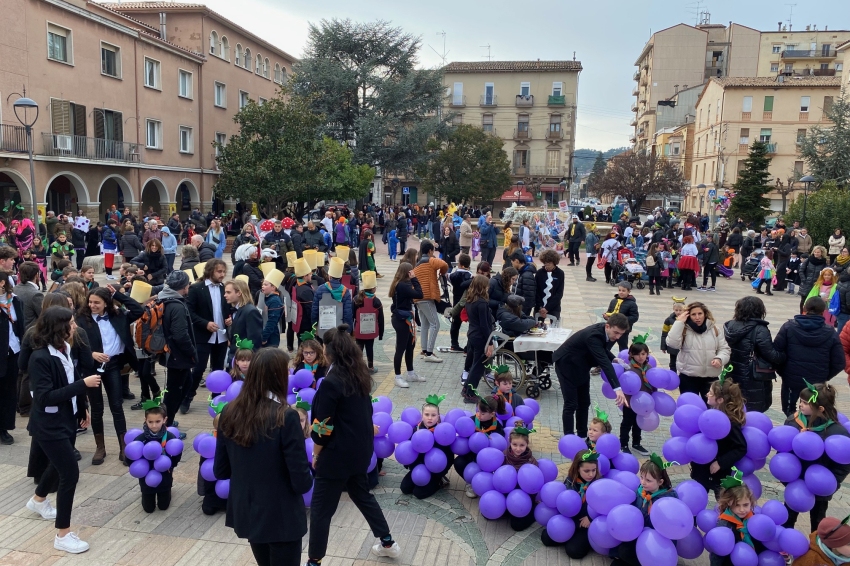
point(517, 194)
point(551, 188)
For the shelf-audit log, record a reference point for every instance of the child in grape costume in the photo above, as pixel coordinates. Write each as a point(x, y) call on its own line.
point(154, 430)
point(583, 471)
point(736, 504)
point(485, 421)
point(638, 356)
point(311, 356)
point(430, 419)
point(599, 425)
point(505, 387)
point(517, 454)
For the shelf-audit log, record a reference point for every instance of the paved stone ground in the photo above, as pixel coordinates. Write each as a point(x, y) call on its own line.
point(446, 529)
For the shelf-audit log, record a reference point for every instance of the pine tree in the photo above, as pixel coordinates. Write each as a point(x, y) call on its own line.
point(597, 172)
point(749, 202)
point(826, 150)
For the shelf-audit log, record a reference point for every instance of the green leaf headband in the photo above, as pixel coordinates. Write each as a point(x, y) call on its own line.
point(434, 399)
point(302, 404)
point(641, 338)
point(243, 343)
point(659, 461)
point(600, 414)
point(592, 456)
point(523, 431)
point(155, 402)
point(309, 335)
point(723, 374)
point(733, 480)
point(217, 407)
point(814, 396)
point(499, 369)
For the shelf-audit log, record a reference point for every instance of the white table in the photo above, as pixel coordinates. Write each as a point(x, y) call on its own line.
point(548, 342)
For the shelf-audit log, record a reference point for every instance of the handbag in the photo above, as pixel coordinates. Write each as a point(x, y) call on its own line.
point(760, 369)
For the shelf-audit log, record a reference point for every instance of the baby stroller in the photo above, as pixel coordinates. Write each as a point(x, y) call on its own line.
point(627, 268)
point(751, 266)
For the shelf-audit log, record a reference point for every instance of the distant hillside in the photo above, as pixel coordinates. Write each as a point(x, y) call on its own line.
point(583, 158)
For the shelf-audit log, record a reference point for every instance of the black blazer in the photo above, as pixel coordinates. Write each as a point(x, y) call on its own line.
point(587, 348)
point(199, 302)
point(50, 387)
point(247, 323)
point(267, 482)
point(120, 322)
point(17, 327)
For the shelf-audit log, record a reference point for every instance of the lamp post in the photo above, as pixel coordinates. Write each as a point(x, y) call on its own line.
point(807, 182)
point(701, 189)
point(26, 106)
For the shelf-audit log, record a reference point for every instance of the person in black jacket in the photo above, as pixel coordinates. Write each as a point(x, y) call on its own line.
point(58, 409)
point(589, 347)
point(180, 338)
point(500, 286)
point(404, 289)
point(735, 241)
point(175, 226)
point(247, 236)
point(460, 278)
point(810, 271)
point(206, 251)
point(511, 318)
point(246, 322)
point(152, 262)
point(480, 327)
point(130, 245)
point(342, 446)
point(550, 285)
point(625, 304)
point(11, 331)
point(812, 349)
point(260, 449)
point(575, 235)
point(297, 237)
point(111, 340)
point(710, 258)
point(526, 285)
point(747, 335)
point(154, 430)
point(449, 247)
point(78, 240)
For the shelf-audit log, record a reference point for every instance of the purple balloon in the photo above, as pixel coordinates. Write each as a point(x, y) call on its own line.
point(444, 434)
point(625, 522)
point(743, 555)
point(560, 529)
point(504, 479)
point(598, 532)
point(754, 484)
point(530, 478)
point(307, 394)
point(608, 391)
point(626, 463)
point(691, 546)
point(623, 355)
point(207, 470)
point(134, 450)
point(518, 503)
point(405, 454)
point(630, 382)
point(460, 446)
point(140, 468)
point(686, 418)
point(673, 381)
point(758, 446)
point(761, 527)
point(453, 415)
point(689, 398)
point(411, 416)
point(798, 497)
point(153, 478)
point(777, 512)
point(720, 541)
point(436, 460)
point(675, 431)
point(794, 542)
point(820, 480)
point(608, 445)
point(808, 446)
point(838, 449)
point(301, 379)
point(470, 472)
point(771, 558)
point(700, 449)
point(195, 442)
point(549, 492)
point(233, 390)
point(478, 442)
point(542, 513)
point(218, 381)
point(675, 449)
point(671, 518)
point(383, 421)
point(604, 465)
point(549, 469)
point(465, 427)
point(746, 465)
point(628, 479)
point(664, 404)
point(760, 421)
point(222, 489)
point(785, 467)
point(714, 424)
point(399, 431)
point(568, 503)
point(707, 519)
point(570, 445)
point(492, 505)
point(525, 413)
point(174, 447)
point(383, 446)
point(648, 422)
point(511, 422)
point(489, 459)
point(605, 494)
point(422, 440)
point(162, 464)
point(642, 403)
point(291, 399)
point(206, 447)
point(509, 412)
point(383, 404)
point(420, 475)
point(657, 377)
point(782, 437)
point(131, 435)
point(651, 362)
point(498, 442)
point(153, 450)
point(618, 371)
point(373, 461)
point(533, 405)
point(656, 549)
point(693, 495)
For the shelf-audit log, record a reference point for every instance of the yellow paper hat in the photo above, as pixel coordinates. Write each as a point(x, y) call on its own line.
point(369, 280)
point(312, 258)
point(342, 252)
point(191, 274)
point(140, 291)
point(267, 267)
point(336, 268)
point(275, 277)
point(321, 258)
point(291, 257)
point(199, 270)
point(242, 277)
point(302, 268)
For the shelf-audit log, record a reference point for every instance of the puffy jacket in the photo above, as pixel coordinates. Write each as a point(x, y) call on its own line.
point(843, 290)
point(496, 292)
point(156, 266)
point(734, 241)
point(809, 271)
point(576, 232)
point(313, 239)
point(131, 245)
point(812, 348)
point(744, 338)
point(710, 253)
point(835, 244)
point(426, 271)
point(526, 287)
point(514, 325)
point(697, 350)
point(78, 238)
point(177, 326)
point(206, 252)
point(628, 308)
point(465, 234)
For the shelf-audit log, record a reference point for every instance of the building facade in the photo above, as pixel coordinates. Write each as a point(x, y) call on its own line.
point(131, 98)
point(531, 107)
point(809, 52)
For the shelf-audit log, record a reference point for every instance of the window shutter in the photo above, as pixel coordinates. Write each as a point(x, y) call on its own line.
point(79, 120)
point(60, 116)
point(118, 119)
point(99, 127)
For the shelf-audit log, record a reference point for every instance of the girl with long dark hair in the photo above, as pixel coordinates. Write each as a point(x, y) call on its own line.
point(403, 290)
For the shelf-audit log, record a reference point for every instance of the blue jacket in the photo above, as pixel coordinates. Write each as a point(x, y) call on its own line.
point(222, 241)
point(347, 309)
point(169, 242)
point(393, 239)
point(488, 234)
point(271, 331)
point(110, 240)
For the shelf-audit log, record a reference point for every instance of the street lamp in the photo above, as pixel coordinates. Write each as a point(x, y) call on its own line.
point(24, 108)
point(807, 180)
point(701, 189)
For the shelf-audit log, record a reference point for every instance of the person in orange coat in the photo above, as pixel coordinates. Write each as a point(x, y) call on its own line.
point(829, 545)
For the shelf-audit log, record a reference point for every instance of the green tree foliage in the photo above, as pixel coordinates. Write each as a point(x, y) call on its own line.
point(749, 202)
point(362, 78)
point(597, 173)
point(637, 176)
point(826, 210)
point(470, 165)
point(826, 150)
point(339, 176)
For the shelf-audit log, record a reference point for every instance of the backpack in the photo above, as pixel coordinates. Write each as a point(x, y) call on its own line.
point(150, 335)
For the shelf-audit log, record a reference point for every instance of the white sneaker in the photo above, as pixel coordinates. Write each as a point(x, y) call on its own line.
point(415, 377)
point(393, 551)
point(469, 492)
point(400, 382)
point(111, 278)
point(70, 543)
point(44, 508)
point(434, 359)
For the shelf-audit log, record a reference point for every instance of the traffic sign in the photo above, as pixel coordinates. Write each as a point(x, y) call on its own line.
point(712, 193)
point(405, 190)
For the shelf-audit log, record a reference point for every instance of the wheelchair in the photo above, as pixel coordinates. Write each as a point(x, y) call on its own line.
point(527, 371)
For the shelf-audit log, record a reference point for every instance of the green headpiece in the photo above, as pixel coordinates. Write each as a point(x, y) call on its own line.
point(434, 399)
point(499, 369)
point(659, 461)
point(217, 407)
point(641, 338)
point(723, 374)
point(733, 480)
point(600, 414)
point(302, 404)
point(155, 402)
point(309, 335)
point(475, 392)
point(243, 343)
point(592, 456)
point(523, 431)
point(814, 392)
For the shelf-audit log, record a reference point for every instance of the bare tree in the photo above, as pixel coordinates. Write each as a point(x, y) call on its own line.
point(636, 177)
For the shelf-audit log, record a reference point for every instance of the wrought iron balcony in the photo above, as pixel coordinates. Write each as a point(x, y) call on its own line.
point(81, 147)
point(13, 138)
point(522, 133)
point(458, 101)
point(771, 147)
point(524, 100)
point(827, 53)
point(488, 100)
point(557, 100)
point(554, 135)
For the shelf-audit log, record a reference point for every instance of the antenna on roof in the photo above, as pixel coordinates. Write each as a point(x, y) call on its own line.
point(489, 58)
point(695, 9)
point(444, 54)
point(790, 15)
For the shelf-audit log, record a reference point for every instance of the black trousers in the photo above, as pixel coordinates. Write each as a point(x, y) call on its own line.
point(588, 267)
point(608, 272)
point(577, 547)
point(207, 353)
point(177, 384)
point(790, 395)
point(576, 405)
point(476, 350)
point(111, 382)
point(150, 388)
point(454, 331)
point(698, 385)
point(63, 464)
point(816, 515)
point(369, 346)
point(462, 461)
point(629, 424)
point(521, 523)
point(573, 252)
point(488, 254)
point(689, 279)
point(326, 494)
point(9, 392)
point(427, 490)
point(709, 270)
point(404, 345)
point(277, 553)
point(290, 337)
point(151, 501)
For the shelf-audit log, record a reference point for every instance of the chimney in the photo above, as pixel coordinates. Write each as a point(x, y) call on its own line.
point(684, 87)
point(676, 89)
point(162, 28)
point(780, 26)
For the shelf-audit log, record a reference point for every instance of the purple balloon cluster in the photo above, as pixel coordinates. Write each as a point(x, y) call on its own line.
point(525, 412)
point(301, 385)
point(612, 461)
point(205, 444)
point(410, 443)
point(650, 407)
point(151, 459)
point(382, 419)
point(221, 384)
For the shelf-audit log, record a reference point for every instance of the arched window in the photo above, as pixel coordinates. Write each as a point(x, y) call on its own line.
point(247, 60)
point(213, 42)
point(225, 48)
point(283, 75)
point(277, 72)
point(258, 68)
point(266, 65)
point(238, 54)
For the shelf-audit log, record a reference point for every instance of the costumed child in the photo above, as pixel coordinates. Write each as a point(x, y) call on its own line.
point(828, 544)
point(392, 245)
point(505, 387)
point(368, 317)
point(476, 244)
point(311, 356)
point(599, 425)
point(583, 471)
point(485, 421)
point(678, 309)
point(736, 504)
point(430, 419)
point(212, 503)
point(40, 254)
point(332, 300)
point(654, 485)
point(638, 356)
point(792, 272)
point(726, 397)
point(766, 273)
point(301, 293)
point(272, 308)
point(818, 414)
point(242, 359)
point(155, 430)
point(517, 454)
point(824, 288)
point(61, 249)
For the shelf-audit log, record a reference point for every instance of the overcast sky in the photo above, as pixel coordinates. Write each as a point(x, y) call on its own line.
point(606, 36)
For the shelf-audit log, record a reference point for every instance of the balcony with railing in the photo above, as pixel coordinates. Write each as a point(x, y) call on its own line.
point(825, 53)
point(13, 138)
point(554, 135)
point(557, 100)
point(522, 133)
point(524, 100)
point(771, 147)
point(458, 101)
point(636, 76)
point(635, 91)
point(81, 147)
point(634, 107)
point(491, 132)
point(488, 100)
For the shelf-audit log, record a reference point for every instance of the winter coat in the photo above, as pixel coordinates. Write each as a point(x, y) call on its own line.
point(514, 325)
point(744, 339)
point(843, 290)
point(815, 556)
point(805, 243)
point(496, 292)
point(835, 244)
point(206, 252)
point(169, 242)
point(734, 241)
point(131, 245)
point(526, 287)
point(78, 238)
point(730, 449)
point(576, 232)
point(627, 307)
point(809, 272)
point(156, 266)
point(426, 272)
point(550, 290)
point(313, 239)
point(813, 350)
point(665, 331)
point(465, 234)
point(590, 241)
point(697, 350)
point(710, 253)
point(583, 350)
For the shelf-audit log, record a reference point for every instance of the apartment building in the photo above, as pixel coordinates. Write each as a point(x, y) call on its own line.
point(844, 52)
point(809, 52)
point(734, 112)
point(131, 98)
point(531, 107)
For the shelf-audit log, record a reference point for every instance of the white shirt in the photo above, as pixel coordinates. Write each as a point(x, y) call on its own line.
point(14, 342)
point(112, 344)
point(328, 224)
point(69, 372)
point(218, 317)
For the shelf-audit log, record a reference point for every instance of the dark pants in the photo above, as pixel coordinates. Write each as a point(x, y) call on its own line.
point(816, 515)
point(688, 277)
point(151, 501)
point(207, 353)
point(290, 337)
point(588, 267)
point(63, 464)
point(710, 270)
point(80, 255)
point(790, 395)
point(177, 384)
point(150, 388)
point(573, 252)
point(608, 272)
point(277, 553)
point(404, 345)
point(454, 331)
point(427, 490)
point(623, 343)
point(326, 494)
point(488, 254)
point(626, 553)
point(521, 523)
point(369, 346)
point(9, 392)
point(767, 286)
point(698, 385)
point(476, 350)
point(462, 461)
point(577, 547)
point(576, 405)
point(169, 262)
point(629, 424)
point(111, 382)
point(673, 359)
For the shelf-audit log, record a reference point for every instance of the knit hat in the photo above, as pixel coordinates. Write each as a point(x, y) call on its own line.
point(833, 532)
point(177, 280)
